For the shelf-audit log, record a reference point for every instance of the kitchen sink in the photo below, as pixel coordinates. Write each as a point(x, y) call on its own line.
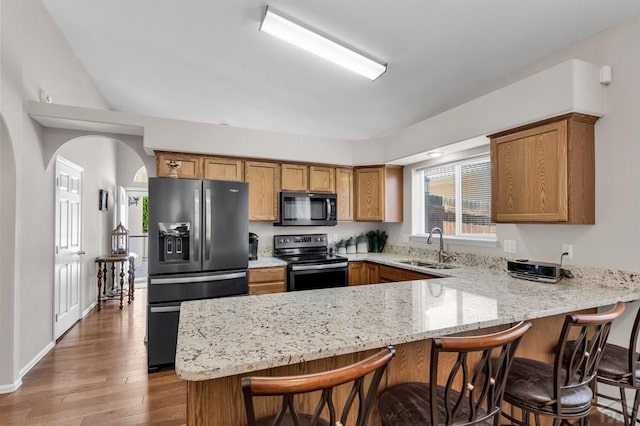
point(430, 265)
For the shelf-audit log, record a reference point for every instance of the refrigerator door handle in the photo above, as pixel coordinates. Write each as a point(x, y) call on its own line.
point(201, 279)
point(159, 309)
point(196, 225)
point(207, 224)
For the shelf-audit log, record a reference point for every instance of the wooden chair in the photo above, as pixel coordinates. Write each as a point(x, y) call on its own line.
point(482, 380)
point(620, 367)
point(287, 387)
point(562, 390)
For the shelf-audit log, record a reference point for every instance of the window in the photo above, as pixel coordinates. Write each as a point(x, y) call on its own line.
point(457, 198)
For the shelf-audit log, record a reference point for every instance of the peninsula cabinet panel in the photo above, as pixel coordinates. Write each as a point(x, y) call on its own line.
point(379, 194)
point(344, 191)
point(294, 177)
point(545, 172)
point(218, 168)
point(188, 166)
point(322, 179)
point(389, 274)
point(372, 273)
point(264, 184)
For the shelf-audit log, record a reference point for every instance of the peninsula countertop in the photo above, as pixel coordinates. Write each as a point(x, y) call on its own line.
point(236, 335)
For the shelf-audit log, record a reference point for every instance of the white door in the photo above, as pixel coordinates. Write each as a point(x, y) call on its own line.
point(67, 245)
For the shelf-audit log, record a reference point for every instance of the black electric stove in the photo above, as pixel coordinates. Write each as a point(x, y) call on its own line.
point(309, 264)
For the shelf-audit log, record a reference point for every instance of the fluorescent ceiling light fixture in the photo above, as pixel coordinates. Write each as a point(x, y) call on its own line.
point(292, 32)
point(434, 154)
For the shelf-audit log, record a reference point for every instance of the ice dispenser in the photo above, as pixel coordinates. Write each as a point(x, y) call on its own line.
point(174, 241)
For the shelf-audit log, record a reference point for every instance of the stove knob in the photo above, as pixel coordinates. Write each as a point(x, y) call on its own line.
point(281, 241)
point(286, 240)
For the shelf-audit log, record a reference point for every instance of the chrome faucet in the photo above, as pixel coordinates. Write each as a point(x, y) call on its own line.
point(441, 255)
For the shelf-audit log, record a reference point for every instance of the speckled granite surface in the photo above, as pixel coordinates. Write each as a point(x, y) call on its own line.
point(266, 262)
point(222, 337)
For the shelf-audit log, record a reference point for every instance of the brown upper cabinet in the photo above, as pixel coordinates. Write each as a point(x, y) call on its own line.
point(295, 177)
point(220, 168)
point(545, 172)
point(264, 187)
point(188, 166)
point(344, 192)
point(379, 193)
point(322, 179)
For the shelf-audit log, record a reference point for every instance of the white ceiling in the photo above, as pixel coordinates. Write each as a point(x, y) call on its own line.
point(205, 60)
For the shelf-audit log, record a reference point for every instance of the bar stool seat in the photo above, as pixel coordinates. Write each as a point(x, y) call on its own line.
point(614, 364)
point(409, 404)
point(530, 384)
point(287, 420)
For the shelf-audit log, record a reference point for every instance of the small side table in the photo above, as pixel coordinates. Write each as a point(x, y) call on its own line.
point(113, 259)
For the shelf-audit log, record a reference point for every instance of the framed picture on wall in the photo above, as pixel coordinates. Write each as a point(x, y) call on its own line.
point(103, 200)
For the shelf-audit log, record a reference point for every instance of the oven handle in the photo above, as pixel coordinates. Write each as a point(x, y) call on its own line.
point(187, 280)
point(314, 267)
point(163, 309)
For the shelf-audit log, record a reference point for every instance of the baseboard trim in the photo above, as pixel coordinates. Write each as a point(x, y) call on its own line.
point(89, 309)
point(36, 359)
point(11, 388)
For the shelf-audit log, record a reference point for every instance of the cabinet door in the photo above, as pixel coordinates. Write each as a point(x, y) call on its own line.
point(322, 179)
point(264, 185)
point(370, 194)
point(357, 272)
point(372, 273)
point(294, 177)
point(529, 172)
point(188, 166)
point(223, 169)
point(344, 191)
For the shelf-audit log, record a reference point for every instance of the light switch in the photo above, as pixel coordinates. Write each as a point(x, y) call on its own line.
point(509, 246)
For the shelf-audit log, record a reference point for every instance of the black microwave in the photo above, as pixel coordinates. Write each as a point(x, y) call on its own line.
point(307, 209)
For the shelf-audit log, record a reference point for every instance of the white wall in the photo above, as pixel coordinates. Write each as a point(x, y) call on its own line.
point(97, 156)
point(127, 165)
point(33, 55)
point(611, 242)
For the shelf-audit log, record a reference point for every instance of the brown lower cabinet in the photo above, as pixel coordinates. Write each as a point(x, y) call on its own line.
point(267, 280)
point(370, 273)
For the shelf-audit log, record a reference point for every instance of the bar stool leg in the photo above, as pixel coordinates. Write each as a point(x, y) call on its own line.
point(625, 408)
point(634, 411)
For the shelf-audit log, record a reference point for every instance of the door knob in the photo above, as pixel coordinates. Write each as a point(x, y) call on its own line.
point(82, 252)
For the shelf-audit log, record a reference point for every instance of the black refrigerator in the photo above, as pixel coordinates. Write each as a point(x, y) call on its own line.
point(198, 249)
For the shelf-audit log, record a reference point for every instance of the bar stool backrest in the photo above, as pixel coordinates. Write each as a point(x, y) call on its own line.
point(633, 354)
point(576, 363)
point(287, 387)
point(480, 398)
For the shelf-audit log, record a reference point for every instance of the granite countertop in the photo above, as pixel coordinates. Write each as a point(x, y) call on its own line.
point(235, 335)
point(266, 262)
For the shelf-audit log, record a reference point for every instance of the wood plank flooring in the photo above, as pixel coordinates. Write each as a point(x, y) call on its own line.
point(97, 375)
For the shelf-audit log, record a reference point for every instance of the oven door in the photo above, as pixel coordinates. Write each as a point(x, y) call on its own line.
point(315, 276)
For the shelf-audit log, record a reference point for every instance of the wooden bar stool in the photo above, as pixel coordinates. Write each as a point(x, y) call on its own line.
point(479, 400)
point(620, 367)
point(288, 387)
point(562, 390)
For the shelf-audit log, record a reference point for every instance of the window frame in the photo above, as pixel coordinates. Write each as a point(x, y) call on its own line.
point(418, 233)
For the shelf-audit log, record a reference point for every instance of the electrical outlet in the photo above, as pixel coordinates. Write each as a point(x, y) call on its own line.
point(509, 246)
point(568, 248)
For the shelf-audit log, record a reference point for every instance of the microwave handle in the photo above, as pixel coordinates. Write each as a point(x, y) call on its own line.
point(328, 208)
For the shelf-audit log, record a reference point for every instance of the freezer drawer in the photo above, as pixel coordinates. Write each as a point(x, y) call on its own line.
point(162, 334)
point(171, 288)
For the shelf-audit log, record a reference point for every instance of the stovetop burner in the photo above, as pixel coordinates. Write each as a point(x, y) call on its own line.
point(304, 248)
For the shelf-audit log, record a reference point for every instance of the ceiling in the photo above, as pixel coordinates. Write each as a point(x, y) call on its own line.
point(206, 61)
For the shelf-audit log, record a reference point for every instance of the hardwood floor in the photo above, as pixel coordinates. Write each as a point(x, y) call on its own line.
point(97, 375)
